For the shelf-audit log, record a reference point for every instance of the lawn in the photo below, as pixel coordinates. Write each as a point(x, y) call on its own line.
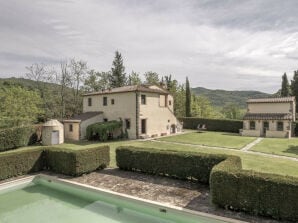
point(284, 147)
point(217, 139)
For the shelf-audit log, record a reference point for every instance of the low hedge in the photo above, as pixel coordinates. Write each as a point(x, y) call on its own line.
point(21, 162)
point(221, 125)
point(256, 193)
point(196, 166)
point(68, 162)
point(77, 162)
point(12, 138)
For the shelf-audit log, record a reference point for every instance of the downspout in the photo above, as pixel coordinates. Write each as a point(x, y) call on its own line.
point(137, 113)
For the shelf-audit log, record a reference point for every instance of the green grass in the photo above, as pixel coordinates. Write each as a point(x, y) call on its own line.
point(284, 147)
point(218, 139)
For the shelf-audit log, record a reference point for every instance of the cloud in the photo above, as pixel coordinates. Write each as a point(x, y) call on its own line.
point(217, 44)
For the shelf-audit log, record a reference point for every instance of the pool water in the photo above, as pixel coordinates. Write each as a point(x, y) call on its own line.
point(44, 200)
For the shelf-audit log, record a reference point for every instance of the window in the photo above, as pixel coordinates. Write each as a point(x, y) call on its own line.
point(280, 126)
point(170, 102)
point(105, 119)
point(143, 126)
point(105, 101)
point(112, 101)
point(89, 101)
point(127, 123)
point(70, 127)
point(143, 99)
point(252, 125)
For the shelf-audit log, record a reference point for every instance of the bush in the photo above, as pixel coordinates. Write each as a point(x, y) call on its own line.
point(77, 162)
point(257, 193)
point(101, 130)
point(21, 162)
point(182, 165)
point(12, 138)
point(221, 125)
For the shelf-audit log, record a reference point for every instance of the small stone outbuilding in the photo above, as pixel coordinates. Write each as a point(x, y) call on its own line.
point(52, 133)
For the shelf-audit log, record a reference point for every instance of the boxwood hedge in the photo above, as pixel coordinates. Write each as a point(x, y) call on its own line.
point(195, 166)
point(77, 162)
point(69, 162)
point(221, 125)
point(12, 138)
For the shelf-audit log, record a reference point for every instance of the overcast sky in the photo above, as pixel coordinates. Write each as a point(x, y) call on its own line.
point(232, 44)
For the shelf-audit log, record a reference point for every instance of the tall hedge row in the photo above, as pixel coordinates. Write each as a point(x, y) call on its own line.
point(77, 162)
point(12, 138)
point(220, 125)
point(253, 192)
point(180, 165)
point(69, 162)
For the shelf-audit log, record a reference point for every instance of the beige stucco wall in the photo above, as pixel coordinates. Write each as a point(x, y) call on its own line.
point(255, 133)
point(75, 134)
point(47, 134)
point(159, 118)
point(124, 108)
point(278, 134)
point(270, 107)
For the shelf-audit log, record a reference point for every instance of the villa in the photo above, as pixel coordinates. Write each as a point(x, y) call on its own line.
point(270, 117)
point(145, 110)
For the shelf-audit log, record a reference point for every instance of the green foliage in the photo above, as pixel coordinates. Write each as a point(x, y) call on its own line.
point(221, 125)
point(181, 165)
point(118, 76)
point(102, 129)
point(19, 105)
point(187, 99)
point(257, 193)
point(77, 162)
point(152, 78)
point(134, 79)
point(11, 138)
point(21, 162)
point(232, 111)
point(285, 87)
point(294, 86)
point(96, 81)
point(201, 107)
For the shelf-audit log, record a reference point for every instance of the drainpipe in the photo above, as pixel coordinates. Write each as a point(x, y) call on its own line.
point(137, 114)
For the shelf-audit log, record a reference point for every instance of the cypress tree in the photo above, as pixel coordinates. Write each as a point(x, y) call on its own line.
point(285, 87)
point(294, 86)
point(118, 76)
point(187, 99)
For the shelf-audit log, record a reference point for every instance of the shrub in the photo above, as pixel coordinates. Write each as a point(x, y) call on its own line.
point(257, 193)
point(21, 162)
point(182, 165)
point(221, 125)
point(102, 129)
point(12, 138)
point(77, 162)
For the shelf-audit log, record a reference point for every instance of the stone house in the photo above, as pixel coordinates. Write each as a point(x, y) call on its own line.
point(145, 110)
point(270, 117)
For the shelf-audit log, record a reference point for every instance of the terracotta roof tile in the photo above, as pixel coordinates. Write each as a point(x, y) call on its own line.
point(268, 116)
point(270, 100)
point(83, 116)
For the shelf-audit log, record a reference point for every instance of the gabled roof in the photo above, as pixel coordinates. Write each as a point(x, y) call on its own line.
point(270, 100)
point(131, 88)
point(268, 116)
point(83, 117)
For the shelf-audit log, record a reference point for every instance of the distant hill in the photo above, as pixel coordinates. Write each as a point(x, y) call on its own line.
point(219, 98)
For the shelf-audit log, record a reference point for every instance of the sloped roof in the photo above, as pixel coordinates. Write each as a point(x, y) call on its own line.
point(268, 116)
point(270, 100)
point(131, 88)
point(83, 116)
point(53, 122)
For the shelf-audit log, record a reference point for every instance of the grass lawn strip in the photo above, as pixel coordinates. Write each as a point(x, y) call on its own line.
point(214, 139)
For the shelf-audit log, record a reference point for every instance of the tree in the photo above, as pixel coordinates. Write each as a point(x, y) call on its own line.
point(134, 79)
point(19, 106)
point(97, 81)
point(187, 99)
point(118, 76)
point(231, 111)
point(152, 78)
point(294, 86)
point(285, 87)
point(201, 107)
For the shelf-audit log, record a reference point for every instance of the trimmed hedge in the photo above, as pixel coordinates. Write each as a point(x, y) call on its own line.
point(196, 166)
point(77, 162)
point(12, 138)
point(256, 193)
point(21, 162)
point(69, 162)
point(220, 125)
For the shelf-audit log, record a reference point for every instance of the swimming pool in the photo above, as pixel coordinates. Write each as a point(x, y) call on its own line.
point(46, 199)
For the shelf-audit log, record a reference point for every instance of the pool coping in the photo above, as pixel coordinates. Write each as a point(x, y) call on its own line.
point(28, 179)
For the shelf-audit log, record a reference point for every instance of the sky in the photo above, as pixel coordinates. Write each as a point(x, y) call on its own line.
point(218, 44)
